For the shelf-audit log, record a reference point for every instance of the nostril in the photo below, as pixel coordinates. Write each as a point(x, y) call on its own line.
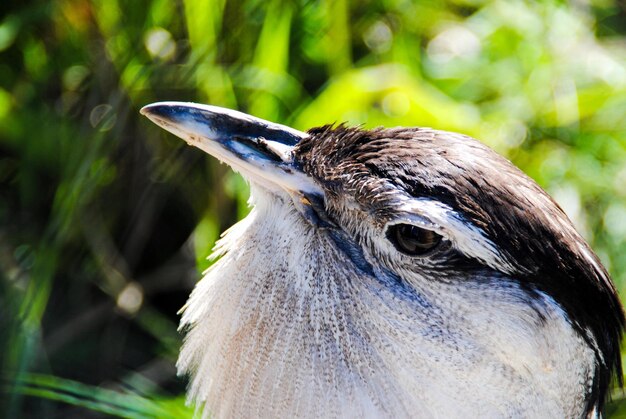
point(260, 145)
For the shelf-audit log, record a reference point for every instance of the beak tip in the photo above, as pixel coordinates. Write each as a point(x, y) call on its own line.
point(150, 110)
point(161, 109)
point(162, 114)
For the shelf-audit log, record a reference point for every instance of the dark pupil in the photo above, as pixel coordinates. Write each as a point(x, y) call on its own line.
point(411, 239)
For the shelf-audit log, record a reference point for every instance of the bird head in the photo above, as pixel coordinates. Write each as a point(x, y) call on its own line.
point(391, 272)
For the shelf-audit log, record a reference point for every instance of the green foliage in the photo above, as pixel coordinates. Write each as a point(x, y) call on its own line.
point(106, 221)
point(120, 403)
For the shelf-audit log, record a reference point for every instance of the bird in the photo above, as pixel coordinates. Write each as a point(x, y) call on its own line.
point(399, 272)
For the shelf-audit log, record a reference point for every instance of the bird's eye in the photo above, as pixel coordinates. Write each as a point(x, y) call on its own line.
point(412, 240)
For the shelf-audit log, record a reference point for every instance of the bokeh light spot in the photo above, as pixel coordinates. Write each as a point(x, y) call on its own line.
point(130, 298)
point(396, 104)
point(378, 37)
point(453, 42)
point(160, 44)
point(102, 117)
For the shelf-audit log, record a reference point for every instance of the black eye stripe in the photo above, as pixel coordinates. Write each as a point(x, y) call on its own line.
point(412, 240)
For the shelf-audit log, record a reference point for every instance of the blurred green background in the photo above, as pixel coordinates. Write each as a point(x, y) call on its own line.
point(106, 221)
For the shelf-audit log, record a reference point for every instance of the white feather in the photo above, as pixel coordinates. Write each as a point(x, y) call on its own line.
point(280, 326)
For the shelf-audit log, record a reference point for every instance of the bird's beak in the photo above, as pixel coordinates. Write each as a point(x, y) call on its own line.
point(261, 151)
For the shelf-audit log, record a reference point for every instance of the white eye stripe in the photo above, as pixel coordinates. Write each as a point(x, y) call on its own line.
point(466, 237)
point(416, 220)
